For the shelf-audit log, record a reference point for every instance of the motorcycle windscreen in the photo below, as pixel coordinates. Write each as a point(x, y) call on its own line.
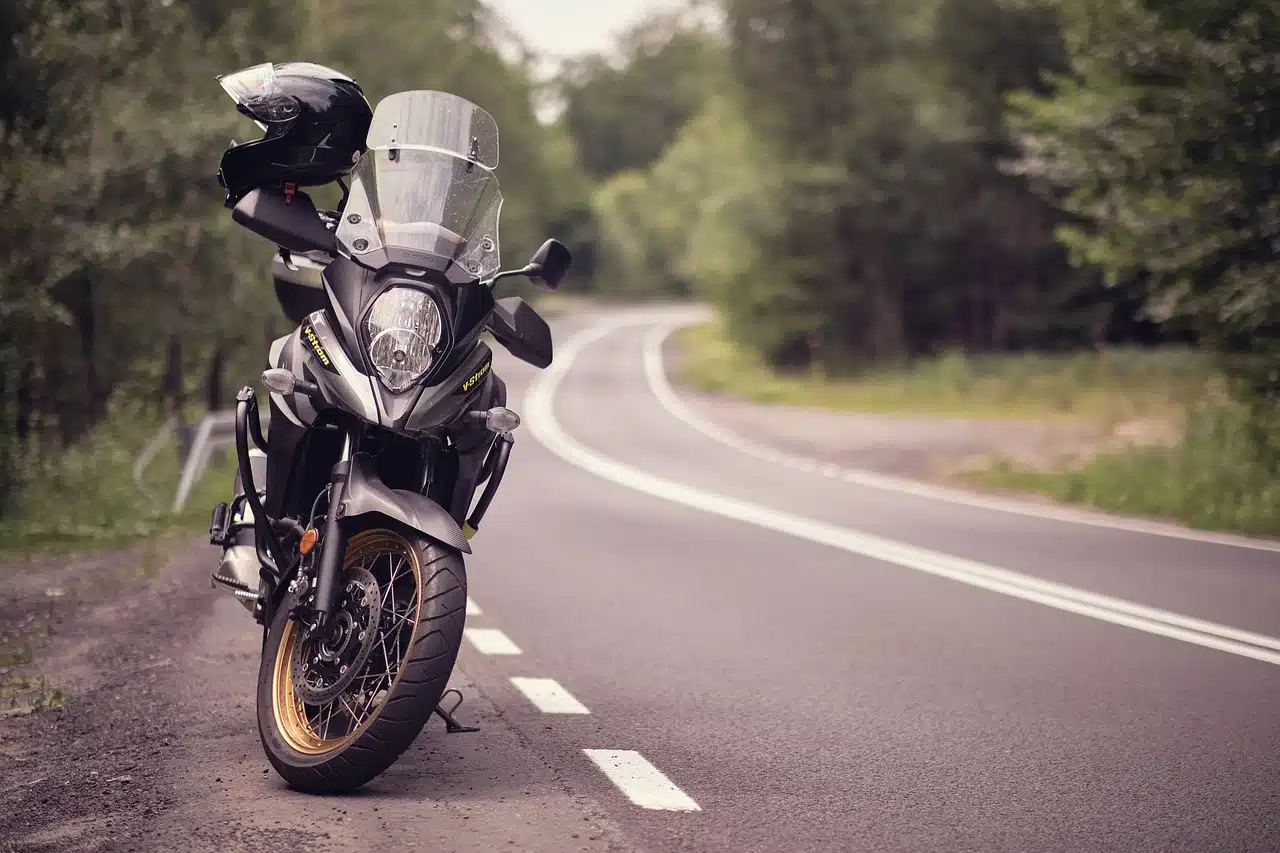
point(424, 201)
point(435, 121)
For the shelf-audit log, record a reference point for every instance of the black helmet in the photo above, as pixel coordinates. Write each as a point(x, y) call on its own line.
point(315, 119)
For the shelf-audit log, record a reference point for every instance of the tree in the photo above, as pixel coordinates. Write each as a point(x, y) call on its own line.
point(1162, 140)
point(896, 233)
point(622, 114)
point(123, 275)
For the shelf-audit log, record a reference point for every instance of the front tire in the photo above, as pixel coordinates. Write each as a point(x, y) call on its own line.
point(344, 743)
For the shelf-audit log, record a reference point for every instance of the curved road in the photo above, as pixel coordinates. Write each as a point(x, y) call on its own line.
point(683, 642)
point(814, 687)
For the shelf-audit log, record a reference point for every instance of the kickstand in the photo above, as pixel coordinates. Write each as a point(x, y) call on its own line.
point(452, 726)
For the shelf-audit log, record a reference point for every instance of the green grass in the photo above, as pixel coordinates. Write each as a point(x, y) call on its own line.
point(1211, 480)
point(1103, 388)
point(85, 498)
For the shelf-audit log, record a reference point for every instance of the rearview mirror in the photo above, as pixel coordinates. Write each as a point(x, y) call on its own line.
point(550, 264)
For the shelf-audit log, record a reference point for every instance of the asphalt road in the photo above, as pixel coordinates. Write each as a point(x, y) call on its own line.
point(735, 653)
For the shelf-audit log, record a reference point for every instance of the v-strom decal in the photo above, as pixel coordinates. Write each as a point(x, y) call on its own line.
point(347, 386)
point(312, 340)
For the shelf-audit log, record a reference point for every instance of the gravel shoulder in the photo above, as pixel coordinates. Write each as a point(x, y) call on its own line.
point(925, 447)
point(156, 746)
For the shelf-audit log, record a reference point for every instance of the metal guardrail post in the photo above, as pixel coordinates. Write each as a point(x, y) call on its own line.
point(214, 430)
point(162, 437)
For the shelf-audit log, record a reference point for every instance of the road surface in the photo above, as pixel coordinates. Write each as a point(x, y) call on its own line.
point(684, 643)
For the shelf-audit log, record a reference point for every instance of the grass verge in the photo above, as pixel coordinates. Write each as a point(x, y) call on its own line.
point(1212, 479)
point(1103, 388)
point(85, 498)
point(1205, 470)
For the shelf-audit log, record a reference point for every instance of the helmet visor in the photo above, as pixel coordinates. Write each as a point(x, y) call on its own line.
point(257, 92)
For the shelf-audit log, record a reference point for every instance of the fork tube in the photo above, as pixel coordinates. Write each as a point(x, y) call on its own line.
point(328, 580)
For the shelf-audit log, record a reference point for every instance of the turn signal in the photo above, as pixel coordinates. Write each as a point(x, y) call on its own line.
point(308, 540)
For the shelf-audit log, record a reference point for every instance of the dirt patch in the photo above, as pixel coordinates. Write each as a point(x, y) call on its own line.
point(41, 596)
point(904, 445)
point(85, 775)
point(920, 446)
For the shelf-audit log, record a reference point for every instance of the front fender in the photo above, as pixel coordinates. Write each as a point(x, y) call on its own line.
point(366, 494)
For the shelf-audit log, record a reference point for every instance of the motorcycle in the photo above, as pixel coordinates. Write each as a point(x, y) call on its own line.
point(353, 511)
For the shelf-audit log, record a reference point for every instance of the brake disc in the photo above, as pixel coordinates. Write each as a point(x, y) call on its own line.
point(325, 666)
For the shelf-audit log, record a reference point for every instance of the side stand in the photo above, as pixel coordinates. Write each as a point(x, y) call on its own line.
point(451, 725)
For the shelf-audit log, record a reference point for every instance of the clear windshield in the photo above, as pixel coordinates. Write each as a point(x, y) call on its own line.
point(435, 121)
point(424, 201)
point(425, 183)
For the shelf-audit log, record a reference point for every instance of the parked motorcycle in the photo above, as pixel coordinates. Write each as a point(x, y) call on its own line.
point(353, 512)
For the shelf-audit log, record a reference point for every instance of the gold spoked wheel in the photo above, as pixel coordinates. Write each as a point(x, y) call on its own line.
point(316, 729)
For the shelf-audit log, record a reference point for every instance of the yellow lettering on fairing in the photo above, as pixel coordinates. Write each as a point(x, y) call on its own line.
point(316, 347)
point(476, 377)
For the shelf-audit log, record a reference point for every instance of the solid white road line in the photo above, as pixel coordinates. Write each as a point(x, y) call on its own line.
point(472, 608)
point(539, 405)
point(641, 782)
point(656, 375)
point(548, 696)
point(491, 641)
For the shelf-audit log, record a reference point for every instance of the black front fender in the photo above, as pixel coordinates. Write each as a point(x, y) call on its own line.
point(366, 494)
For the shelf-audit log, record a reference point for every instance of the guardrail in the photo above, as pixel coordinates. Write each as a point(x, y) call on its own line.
point(213, 431)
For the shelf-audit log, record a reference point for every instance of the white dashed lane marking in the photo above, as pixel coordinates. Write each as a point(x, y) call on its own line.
point(472, 608)
point(640, 781)
point(491, 641)
point(548, 696)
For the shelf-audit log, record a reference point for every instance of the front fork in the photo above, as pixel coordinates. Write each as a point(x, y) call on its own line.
point(333, 544)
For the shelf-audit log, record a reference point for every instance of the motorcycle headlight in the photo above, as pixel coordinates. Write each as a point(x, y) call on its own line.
point(403, 329)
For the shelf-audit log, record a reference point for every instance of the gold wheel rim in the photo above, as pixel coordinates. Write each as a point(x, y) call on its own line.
point(307, 729)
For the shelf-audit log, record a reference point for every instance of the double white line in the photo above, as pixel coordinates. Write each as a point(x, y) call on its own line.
point(546, 428)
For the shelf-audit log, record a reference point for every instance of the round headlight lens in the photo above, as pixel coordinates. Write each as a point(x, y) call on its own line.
point(403, 328)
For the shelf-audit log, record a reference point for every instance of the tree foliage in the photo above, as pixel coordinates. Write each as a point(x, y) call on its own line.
point(622, 112)
point(123, 274)
point(1162, 139)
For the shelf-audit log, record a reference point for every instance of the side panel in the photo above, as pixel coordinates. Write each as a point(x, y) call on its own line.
point(474, 447)
point(454, 394)
point(343, 384)
point(287, 353)
point(283, 444)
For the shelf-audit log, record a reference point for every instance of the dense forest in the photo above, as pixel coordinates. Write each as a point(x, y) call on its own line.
point(848, 181)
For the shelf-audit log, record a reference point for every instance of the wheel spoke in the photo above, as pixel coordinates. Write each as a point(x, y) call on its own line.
point(356, 715)
point(399, 621)
point(320, 728)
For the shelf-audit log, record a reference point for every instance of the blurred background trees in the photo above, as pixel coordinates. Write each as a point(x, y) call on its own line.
point(848, 181)
point(123, 278)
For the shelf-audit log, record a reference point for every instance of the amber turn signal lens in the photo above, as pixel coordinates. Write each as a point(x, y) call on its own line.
point(308, 540)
